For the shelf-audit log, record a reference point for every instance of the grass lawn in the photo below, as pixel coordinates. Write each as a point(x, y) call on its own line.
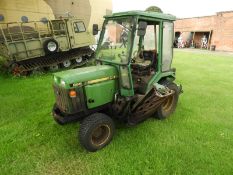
point(197, 139)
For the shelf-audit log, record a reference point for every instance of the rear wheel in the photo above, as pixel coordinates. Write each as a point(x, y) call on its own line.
point(96, 131)
point(169, 105)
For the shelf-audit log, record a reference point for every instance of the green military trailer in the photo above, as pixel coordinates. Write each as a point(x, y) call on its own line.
point(132, 80)
point(46, 44)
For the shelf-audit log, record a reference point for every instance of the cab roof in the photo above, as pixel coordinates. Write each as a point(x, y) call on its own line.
point(143, 14)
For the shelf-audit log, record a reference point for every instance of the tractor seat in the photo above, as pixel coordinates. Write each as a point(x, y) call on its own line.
point(140, 63)
point(142, 69)
point(144, 63)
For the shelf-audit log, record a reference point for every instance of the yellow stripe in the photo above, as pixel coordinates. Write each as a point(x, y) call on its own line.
point(100, 80)
point(94, 81)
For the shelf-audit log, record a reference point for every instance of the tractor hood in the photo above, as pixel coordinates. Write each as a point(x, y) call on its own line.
point(85, 74)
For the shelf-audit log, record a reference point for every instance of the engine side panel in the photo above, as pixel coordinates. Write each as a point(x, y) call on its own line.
point(100, 93)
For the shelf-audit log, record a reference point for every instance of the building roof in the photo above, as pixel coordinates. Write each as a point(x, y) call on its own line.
point(222, 12)
point(144, 14)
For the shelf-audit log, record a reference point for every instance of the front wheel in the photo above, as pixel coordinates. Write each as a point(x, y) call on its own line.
point(96, 131)
point(169, 105)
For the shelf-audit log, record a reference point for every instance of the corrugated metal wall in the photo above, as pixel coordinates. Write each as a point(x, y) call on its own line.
point(92, 11)
point(34, 10)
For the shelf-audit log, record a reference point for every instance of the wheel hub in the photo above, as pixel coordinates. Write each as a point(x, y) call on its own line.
point(54, 67)
point(52, 46)
point(100, 135)
point(67, 63)
point(79, 59)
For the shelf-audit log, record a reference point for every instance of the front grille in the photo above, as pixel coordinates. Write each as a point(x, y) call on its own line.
point(67, 104)
point(62, 98)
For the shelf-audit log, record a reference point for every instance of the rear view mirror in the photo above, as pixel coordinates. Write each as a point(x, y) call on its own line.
point(142, 25)
point(95, 29)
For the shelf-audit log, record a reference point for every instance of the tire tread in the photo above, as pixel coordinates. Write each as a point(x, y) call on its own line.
point(88, 124)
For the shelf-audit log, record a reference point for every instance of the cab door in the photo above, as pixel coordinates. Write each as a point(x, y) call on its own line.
point(126, 82)
point(79, 35)
point(168, 31)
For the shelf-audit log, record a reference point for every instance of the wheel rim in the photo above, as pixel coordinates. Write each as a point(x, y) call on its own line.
point(168, 104)
point(79, 59)
point(67, 63)
point(100, 135)
point(52, 46)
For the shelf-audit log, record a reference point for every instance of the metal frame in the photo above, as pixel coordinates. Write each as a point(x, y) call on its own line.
point(21, 36)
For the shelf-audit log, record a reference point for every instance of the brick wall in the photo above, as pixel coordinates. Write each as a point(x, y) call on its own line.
point(221, 24)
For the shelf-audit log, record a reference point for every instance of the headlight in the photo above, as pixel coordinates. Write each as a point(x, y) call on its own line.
point(55, 78)
point(73, 94)
point(63, 83)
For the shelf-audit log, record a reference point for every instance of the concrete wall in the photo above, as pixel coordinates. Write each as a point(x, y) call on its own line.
point(221, 24)
point(35, 10)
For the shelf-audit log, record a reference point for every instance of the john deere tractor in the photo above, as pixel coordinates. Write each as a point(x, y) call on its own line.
point(131, 81)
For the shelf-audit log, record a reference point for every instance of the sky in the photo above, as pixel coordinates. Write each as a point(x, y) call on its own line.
point(179, 8)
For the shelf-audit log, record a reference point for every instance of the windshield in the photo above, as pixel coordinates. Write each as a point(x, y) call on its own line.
point(114, 46)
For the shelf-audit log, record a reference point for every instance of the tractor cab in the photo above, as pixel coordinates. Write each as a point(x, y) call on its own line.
point(139, 44)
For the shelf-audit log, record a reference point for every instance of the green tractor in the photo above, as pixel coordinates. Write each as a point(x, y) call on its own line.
point(131, 81)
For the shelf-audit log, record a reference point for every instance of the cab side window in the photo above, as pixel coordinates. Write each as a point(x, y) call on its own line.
point(79, 27)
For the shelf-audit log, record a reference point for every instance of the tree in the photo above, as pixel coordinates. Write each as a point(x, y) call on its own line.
point(154, 9)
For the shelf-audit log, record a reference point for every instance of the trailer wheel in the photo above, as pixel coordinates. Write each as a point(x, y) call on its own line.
point(169, 106)
point(96, 131)
point(50, 46)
